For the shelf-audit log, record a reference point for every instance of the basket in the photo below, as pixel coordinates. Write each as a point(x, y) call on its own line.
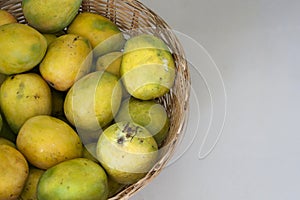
point(131, 15)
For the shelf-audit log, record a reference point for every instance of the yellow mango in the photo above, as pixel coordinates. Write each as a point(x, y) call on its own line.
point(69, 57)
point(21, 48)
point(103, 34)
point(23, 96)
point(50, 16)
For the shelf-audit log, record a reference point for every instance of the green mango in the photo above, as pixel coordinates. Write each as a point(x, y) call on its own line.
point(74, 179)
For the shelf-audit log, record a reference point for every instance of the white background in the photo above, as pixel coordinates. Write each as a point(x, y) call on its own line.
point(256, 46)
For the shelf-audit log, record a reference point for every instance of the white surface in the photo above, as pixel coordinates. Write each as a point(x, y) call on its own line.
point(256, 46)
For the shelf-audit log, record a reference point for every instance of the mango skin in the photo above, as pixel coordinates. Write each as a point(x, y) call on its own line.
point(30, 187)
point(68, 58)
point(13, 172)
point(74, 179)
point(23, 96)
point(21, 47)
point(92, 101)
point(50, 16)
point(6, 18)
point(148, 61)
point(127, 151)
point(148, 114)
point(46, 141)
point(103, 34)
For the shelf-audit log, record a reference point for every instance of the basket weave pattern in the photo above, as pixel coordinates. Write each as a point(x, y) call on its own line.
point(133, 17)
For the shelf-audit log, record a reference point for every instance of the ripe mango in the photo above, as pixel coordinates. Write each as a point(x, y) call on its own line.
point(92, 101)
point(50, 16)
point(46, 141)
point(103, 34)
point(21, 47)
point(23, 96)
point(148, 61)
point(13, 172)
point(68, 58)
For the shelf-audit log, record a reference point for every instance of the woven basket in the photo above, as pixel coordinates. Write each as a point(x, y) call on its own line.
point(133, 17)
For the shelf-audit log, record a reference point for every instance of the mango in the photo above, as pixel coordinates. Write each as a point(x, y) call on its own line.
point(127, 151)
point(21, 47)
point(74, 179)
point(69, 57)
point(23, 96)
point(13, 172)
point(92, 101)
point(50, 16)
point(30, 187)
point(103, 34)
point(46, 141)
point(6, 18)
point(148, 61)
point(149, 114)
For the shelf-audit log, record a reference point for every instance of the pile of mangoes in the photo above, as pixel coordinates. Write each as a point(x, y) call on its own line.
point(79, 116)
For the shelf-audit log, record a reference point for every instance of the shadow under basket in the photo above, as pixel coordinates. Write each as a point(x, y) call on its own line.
point(133, 17)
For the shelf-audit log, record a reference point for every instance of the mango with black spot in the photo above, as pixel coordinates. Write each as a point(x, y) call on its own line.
point(149, 114)
point(23, 96)
point(68, 58)
point(127, 151)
